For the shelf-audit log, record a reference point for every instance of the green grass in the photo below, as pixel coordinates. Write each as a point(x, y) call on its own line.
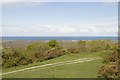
point(78, 70)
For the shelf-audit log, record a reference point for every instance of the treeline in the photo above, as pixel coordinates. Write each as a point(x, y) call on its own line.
point(38, 51)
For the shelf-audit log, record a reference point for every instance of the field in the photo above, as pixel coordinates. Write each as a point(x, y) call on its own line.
point(87, 69)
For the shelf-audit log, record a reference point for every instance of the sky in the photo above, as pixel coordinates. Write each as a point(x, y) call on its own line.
point(59, 18)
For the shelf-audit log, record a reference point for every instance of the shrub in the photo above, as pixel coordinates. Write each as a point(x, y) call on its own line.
point(39, 51)
point(53, 43)
point(73, 48)
point(10, 57)
point(111, 57)
point(110, 70)
point(99, 45)
point(24, 61)
point(82, 45)
point(35, 51)
point(54, 52)
point(35, 56)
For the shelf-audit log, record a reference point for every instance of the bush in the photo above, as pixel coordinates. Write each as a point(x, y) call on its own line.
point(99, 45)
point(82, 45)
point(73, 48)
point(111, 57)
point(54, 52)
point(35, 51)
point(10, 57)
point(110, 70)
point(53, 43)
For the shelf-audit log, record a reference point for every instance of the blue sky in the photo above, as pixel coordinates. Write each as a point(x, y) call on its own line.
point(59, 19)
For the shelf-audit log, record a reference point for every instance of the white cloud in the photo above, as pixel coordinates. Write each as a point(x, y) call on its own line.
point(61, 30)
point(105, 27)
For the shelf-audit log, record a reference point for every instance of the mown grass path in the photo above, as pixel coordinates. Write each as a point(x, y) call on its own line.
point(85, 65)
point(54, 64)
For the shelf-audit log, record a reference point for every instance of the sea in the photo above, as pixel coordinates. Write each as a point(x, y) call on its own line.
point(60, 38)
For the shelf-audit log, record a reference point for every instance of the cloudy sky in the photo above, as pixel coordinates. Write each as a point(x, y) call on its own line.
point(59, 18)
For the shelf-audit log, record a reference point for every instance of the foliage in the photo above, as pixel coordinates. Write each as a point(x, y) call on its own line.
point(10, 57)
point(73, 49)
point(19, 53)
point(35, 52)
point(53, 43)
point(110, 69)
point(111, 57)
point(82, 45)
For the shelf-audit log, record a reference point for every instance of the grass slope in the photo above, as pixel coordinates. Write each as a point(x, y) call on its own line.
point(78, 70)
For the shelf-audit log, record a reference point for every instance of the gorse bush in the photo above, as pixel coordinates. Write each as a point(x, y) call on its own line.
point(37, 51)
point(73, 48)
point(110, 70)
point(82, 45)
point(10, 57)
point(54, 52)
point(99, 45)
point(53, 43)
point(41, 46)
point(111, 57)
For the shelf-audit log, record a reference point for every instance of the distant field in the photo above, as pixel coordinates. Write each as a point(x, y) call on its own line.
point(77, 70)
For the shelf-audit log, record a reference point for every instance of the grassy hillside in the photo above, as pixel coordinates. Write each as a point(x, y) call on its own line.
point(79, 70)
point(20, 61)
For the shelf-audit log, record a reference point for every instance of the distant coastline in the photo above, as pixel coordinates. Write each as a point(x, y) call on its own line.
point(60, 38)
